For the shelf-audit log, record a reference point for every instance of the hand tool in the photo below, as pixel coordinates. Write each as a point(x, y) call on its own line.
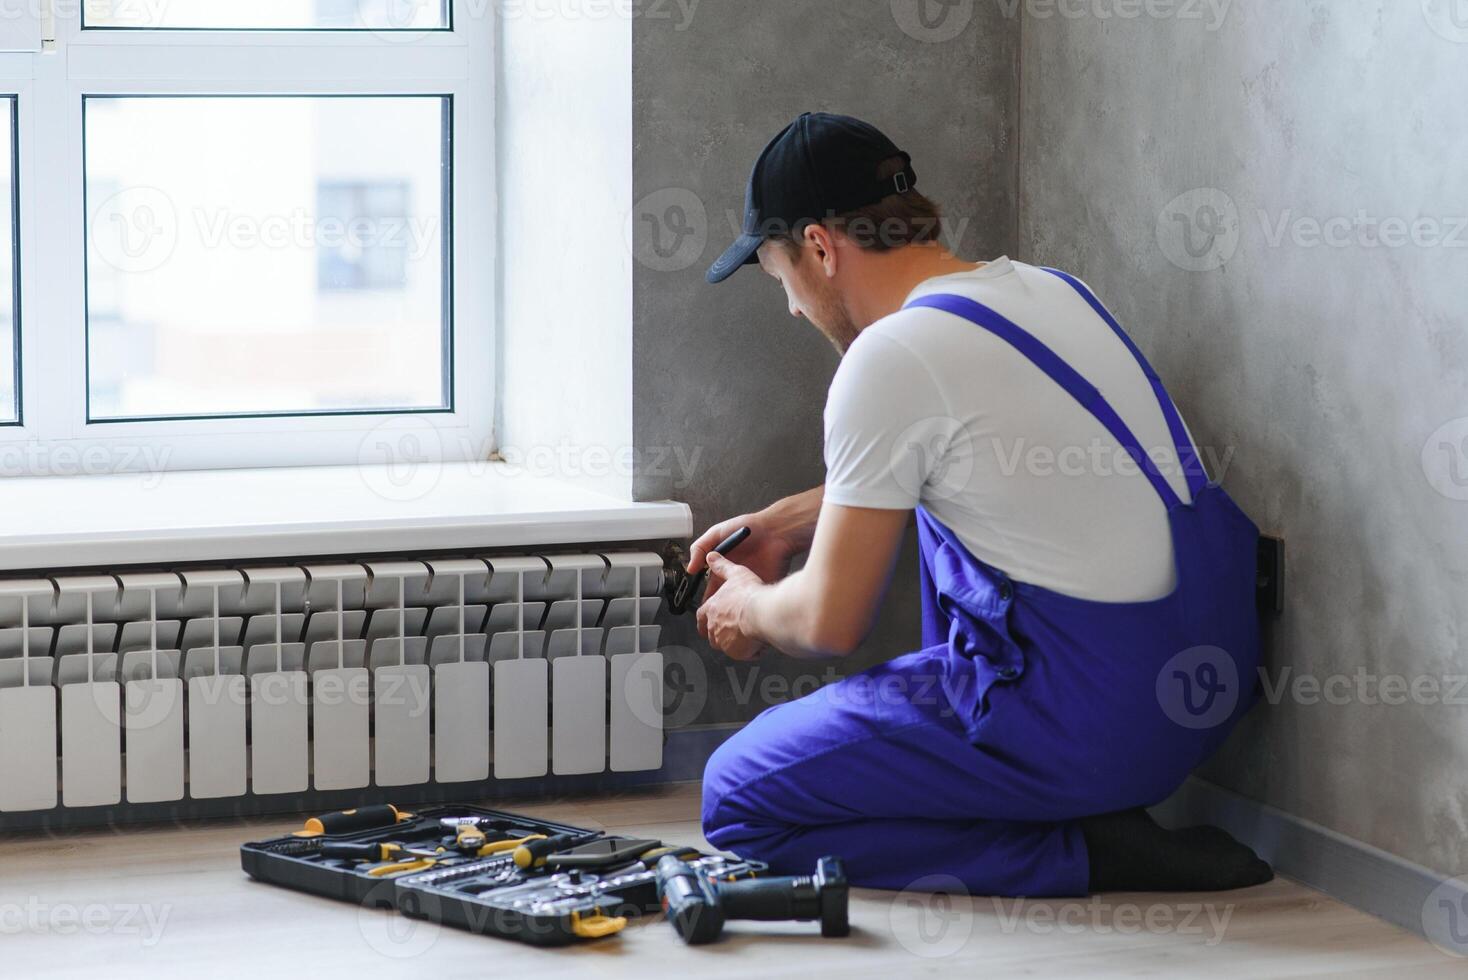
point(422, 861)
point(347, 821)
point(347, 850)
point(683, 589)
point(698, 907)
point(452, 824)
point(468, 838)
point(501, 846)
point(532, 854)
point(604, 853)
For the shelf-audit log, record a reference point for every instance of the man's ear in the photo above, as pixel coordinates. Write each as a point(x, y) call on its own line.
point(823, 241)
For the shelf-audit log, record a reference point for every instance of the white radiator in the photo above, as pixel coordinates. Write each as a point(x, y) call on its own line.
point(218, 683)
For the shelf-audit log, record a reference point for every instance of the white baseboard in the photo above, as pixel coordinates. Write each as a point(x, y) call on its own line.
point(1418, 899)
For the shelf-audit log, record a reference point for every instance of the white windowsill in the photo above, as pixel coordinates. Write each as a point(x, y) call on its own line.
point(231, 515)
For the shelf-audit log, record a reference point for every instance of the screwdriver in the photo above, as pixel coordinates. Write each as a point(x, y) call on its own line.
point(347, 821)
point(368, 851)
point(532, 853)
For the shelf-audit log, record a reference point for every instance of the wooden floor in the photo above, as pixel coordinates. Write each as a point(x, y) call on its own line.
point(167, 902)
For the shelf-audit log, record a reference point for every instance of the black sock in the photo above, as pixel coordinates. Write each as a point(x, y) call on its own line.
point(1129, 852)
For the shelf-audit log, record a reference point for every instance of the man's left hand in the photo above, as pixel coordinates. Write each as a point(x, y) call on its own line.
point(720, 616)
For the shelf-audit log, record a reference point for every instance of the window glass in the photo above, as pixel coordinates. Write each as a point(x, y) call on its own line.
point(260, 255)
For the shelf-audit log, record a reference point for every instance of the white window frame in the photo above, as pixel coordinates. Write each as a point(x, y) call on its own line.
point(54, 436)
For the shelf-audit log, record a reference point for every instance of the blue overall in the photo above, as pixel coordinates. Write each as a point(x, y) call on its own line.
point(1025, 710)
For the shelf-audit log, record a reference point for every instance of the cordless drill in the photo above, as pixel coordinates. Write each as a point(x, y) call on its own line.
point(698, 907)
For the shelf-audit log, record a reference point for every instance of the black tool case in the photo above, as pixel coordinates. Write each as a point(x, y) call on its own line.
point(546, 906)
point(296, 862)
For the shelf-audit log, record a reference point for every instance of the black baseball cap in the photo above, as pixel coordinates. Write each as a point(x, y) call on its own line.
point(820, 166)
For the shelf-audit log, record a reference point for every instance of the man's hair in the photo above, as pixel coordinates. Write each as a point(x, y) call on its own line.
point(895, 221)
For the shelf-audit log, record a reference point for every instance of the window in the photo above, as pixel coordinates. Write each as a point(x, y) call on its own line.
point(326, 15)
point(232, 271)
point(9, 277)
point(272, 201)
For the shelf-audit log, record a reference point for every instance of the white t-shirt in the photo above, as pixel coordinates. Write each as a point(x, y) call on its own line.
point(929, 408)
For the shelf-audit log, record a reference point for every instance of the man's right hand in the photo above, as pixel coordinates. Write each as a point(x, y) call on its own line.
point(777, 534)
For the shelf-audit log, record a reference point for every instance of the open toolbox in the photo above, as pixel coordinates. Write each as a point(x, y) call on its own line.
point(521, 878)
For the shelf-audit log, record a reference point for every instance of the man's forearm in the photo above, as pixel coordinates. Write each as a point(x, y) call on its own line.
point(795, 517)
point(785, 616)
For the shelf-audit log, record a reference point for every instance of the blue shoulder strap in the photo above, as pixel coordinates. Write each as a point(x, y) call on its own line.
point(1186, 454)
point(1061, 373)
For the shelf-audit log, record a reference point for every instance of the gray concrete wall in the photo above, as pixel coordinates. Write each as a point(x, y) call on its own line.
point(1304, 300)
point(729, 387)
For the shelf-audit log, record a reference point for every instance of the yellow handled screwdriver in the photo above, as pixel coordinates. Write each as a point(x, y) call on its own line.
point(347, 821)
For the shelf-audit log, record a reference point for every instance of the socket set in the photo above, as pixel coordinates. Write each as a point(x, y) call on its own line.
point(555, 905)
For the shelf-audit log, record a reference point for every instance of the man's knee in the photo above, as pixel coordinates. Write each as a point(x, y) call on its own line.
point(727, 770)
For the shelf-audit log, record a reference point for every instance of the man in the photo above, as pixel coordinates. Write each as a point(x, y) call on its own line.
point(1016, 749)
